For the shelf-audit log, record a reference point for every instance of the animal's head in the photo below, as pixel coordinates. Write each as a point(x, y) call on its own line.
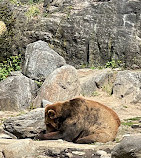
point(52, 113)
point(56, 113)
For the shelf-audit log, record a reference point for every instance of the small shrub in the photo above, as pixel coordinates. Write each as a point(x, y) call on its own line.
point(134, 119)
point(35, 1)
point(83, 66)
point(39, 83)
point(131, 121)
point(92, 67)
point(33, 11)
point(108, 88)
point(16, 2)
point(113, 64)
point(11, 64)
point(95, 93)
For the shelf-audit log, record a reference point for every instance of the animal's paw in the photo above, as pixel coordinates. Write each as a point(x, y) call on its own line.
point(40, 136)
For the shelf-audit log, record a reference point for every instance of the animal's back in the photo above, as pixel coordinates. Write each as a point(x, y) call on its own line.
point(100, 121)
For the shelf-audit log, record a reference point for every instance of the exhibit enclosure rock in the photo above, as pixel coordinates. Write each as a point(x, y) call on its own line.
point(63, 84)
point(129, 147)
point(17, 92)
point(41, 60)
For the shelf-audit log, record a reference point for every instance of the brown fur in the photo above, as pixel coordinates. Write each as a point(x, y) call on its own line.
point(81, 121)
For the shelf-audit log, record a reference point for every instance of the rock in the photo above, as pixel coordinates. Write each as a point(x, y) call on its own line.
point(48, 149)
point(17, 93)
point(103, 154)
point(22, 148)
point(92, 80)
point(88, 32)
point(3, 27)
point(127, 86)
point(6, 135)
point(44, 103)
point(26, 125)
point(15, 73)
point(41, 60)
point(129, 147)
point(135, 126)
point(61, 85)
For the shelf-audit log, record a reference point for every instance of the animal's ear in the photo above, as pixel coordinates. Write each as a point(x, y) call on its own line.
point(51, 114)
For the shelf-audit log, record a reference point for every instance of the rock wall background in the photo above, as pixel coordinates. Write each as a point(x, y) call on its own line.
point(84, 32)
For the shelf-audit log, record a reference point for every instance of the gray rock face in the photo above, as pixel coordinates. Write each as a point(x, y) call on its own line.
point(17, 93)
point(41, 60)
point(26, 125)
point(48, 149)
point(88, 32)
point(93, 80)
point(22, 148)
point(44, 103)
point(62, 84)
point(128, 86)
point(129, 147)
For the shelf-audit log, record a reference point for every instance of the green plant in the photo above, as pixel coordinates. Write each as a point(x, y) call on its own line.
point(45, 14)
point(107, 88)
point(11, 64)
point(31, 107)
point(34, 1)
point(33, 11)
point(39, 83)
point(95, 93)
point(117, 140)
point(83, 66)
point(134, 119)
point(16, 2)
point(129, 123)
point(113, 64)
point(92, 67)
point(125, 106)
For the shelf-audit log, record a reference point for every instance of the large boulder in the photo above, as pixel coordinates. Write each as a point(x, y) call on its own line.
point(41, 60)
point(18, 149)
point(129, 147)
point(92, 80)
point(61, 85)
point(17, 93)
point(127, 86)
point(26, 125)
point(28, 148)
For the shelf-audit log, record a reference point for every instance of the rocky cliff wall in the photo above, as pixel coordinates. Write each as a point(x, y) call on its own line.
point(85, 32)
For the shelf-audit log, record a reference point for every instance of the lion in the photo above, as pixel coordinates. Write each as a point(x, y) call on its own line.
point(80, 121)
